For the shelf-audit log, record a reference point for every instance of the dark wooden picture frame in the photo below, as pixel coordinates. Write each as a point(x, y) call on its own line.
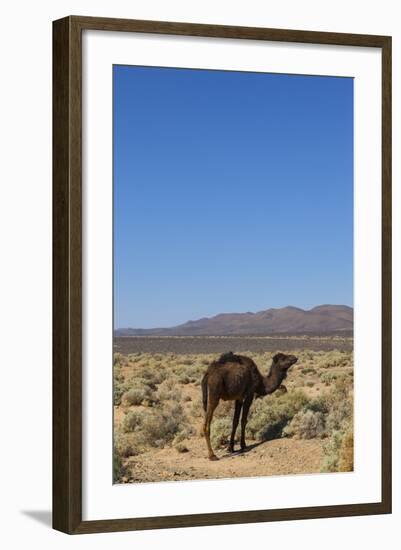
point(67, 274)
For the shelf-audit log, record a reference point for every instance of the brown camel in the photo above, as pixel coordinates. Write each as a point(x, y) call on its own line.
point(237, 378)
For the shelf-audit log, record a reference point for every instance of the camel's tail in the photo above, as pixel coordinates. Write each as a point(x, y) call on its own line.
point(204, 392)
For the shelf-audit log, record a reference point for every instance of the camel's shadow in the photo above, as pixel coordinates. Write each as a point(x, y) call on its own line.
point(248, 448)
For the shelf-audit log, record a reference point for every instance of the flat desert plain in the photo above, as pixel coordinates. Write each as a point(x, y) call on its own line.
point(158, 412)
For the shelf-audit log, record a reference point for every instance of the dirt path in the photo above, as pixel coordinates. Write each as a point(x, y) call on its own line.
point(277, 457)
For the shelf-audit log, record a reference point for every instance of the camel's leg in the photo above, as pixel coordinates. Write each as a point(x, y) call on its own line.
point(237, 412)
point(245, 409)
point(211, 405)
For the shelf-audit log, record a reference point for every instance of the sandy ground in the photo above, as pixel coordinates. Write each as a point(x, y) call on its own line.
point(277, 457)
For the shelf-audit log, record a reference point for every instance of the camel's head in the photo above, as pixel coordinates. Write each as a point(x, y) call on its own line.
point(283, 362)
point(278, 372)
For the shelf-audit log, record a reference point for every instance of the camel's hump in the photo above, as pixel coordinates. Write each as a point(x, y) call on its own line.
point(229, 357)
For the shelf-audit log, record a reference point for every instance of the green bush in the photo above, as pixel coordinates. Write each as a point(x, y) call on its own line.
point(270, 415)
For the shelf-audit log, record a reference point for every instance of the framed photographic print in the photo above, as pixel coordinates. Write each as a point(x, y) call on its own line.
point(222, 274)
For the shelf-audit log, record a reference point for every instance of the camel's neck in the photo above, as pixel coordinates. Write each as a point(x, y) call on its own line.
point(272, 381)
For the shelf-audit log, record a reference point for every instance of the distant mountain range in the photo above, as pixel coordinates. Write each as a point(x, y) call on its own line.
point(286, 320)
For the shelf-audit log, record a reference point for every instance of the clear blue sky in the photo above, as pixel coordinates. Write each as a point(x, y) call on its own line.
point(233, 192)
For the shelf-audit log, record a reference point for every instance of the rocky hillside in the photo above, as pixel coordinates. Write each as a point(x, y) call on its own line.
point(286, 320)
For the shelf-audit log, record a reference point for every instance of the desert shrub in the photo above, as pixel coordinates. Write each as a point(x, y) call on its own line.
point(196, 372)
point(339, 446)
point(186, 431)
point(318, 404)
point(118, 468)
point(183, 378)
point(118, 381)
point(310, 384)
point(346, 453)
point(167, 390)
point(190, 374)
point(220, 431)
point(118, 390)
point(132, 421)
point(306, 424)
point(340, 414)
point(196, 409)
point(159, 376)
point(155, 428)
point(308, 370)
point(136, 396)
point(269, 416)
point(160, 426)
point(125, 445)
point(331, 450)
point(152, 375)
point(328, 377)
